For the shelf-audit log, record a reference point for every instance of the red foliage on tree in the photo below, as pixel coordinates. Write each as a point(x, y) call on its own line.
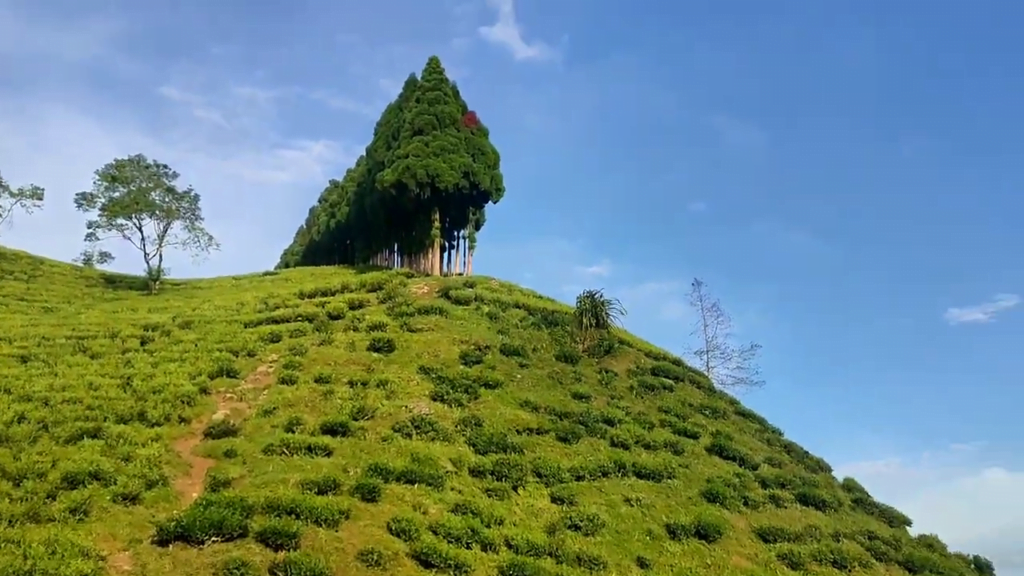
point(469, 120)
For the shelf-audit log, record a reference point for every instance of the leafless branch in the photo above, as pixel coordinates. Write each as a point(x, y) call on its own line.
point(727, 365)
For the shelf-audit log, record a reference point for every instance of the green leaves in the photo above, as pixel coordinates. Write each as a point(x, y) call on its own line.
point(136, 199)
point(417, 195)
point(28, 199)
point(595, 313)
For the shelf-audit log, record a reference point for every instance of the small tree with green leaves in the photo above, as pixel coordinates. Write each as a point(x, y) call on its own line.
point(594, 315)
point(28, 199)
point(136, 199)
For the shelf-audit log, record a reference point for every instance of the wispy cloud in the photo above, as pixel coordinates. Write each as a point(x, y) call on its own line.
point(347, 104)
point(507, 32)
point(737, 133)
point(601, 269)
point(982, 313)
point(225, 137)
point(954, 492)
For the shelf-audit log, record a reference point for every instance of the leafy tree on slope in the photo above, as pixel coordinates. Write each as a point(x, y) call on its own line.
point(28, 199)
point(136, 199)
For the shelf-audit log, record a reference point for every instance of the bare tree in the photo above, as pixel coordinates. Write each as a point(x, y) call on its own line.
point(727, 365)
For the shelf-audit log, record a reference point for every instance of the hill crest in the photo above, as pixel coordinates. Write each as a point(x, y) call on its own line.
point(341, 421)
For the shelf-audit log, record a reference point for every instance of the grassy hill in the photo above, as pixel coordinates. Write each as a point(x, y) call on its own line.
point(377, 423)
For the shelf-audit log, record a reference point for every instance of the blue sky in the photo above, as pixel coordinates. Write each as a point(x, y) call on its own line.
point(845, 175)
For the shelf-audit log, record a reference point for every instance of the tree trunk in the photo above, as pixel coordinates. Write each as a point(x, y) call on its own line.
point(435, 260)
point(469, 263)
point(458, 254)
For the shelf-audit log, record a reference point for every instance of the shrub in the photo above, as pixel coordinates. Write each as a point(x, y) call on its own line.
point(705, 527)
point(589, 561)
point(669, 372)
point(464, 532)
point(422, 427)
point(293, 424)
point(361, 411)
point(513, 350)
point(498, 491)
point(549, 471)
point(519, 566)
point(237, 566)
point(567, 355)
point(336, 427)
point(456, 392)
point(223, 367)
point(726, 450)
point(439, 558)
point(569, 434)
point(796, 559)
point(213, 517)
point(709, 528)
point(406, 528)
point(357, 302)
point(817, 499)
point(644, 386)
point(470, 509)
point(373, 558)
point(419, 470)
point(312, 510)
point(220, 429)
point(279, 535)
point(368, 490)
point(582, 522)
point(324, 485)
point(287, 378)
point(487, 441)
point(474, 356)
point(323, 378)
point(776, 534)
point(381, 344)
point(216, 482)
point(459, 297)
point(513, 471)
point(298, 564)
point(581, 395)
point(298, 446)
point(643, 562)
point(844, 557)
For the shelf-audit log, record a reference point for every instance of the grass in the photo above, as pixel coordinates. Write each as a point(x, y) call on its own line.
point(332, 421)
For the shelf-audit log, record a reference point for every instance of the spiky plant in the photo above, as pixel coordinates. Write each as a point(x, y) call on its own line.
point(595, 314)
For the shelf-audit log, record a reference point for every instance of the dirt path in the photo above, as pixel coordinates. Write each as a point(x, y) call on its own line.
point(229, 404)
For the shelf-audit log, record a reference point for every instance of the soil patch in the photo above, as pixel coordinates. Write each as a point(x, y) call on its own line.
point(121, 563)
point(229, 404)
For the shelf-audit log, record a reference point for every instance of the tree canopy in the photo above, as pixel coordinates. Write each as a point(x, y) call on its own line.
point(417, 196)
point(27, 198)
point(136, 199)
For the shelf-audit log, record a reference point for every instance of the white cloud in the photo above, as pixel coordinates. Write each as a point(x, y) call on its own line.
point(257, 179)
point(981, 313)
point(602, 269)
point(507, 32)
point(973, 505)
point(738, 133)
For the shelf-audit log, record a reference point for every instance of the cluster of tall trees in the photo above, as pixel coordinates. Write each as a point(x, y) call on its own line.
point(417, 196)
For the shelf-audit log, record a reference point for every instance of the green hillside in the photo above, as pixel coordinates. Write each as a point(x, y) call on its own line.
point(321, 421)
